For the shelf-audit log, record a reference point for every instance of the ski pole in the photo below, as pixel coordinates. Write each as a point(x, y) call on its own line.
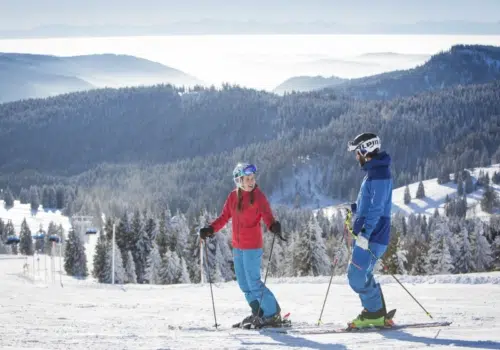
point(397, 280)
point(348, 216)
point(210, 282)
point(267, 270)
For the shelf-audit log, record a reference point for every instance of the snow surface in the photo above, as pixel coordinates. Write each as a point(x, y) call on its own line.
point(435, 196)
point(38, 313)
point(34, 219)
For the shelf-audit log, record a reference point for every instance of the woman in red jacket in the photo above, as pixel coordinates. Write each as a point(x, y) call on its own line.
point(246, 206)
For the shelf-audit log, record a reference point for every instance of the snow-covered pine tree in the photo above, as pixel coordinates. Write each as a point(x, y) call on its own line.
point(419, 264)
point(26, 246)
point(439, 234)
point(495, 248)
point(482, 248)
point(180, 229)
point(310, 253)
point(34, 198)
point(8, 198)
point(119, 270)
point(75, 260)
point(171, 267)
point(161, 237)
point(183, 273)
point(444, 263)
point(465, 258)
point(100, 259)
point(154, 269)
point(10, 231)
point(130, 274)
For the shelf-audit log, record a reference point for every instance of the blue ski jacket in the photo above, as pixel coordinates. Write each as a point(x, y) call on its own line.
point(374, 203)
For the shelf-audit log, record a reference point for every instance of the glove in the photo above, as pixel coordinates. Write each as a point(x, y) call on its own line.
point(275, 227)
point(362, 242)
point(206, 232)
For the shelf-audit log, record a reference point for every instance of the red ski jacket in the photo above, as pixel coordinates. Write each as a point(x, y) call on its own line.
point(247, 232)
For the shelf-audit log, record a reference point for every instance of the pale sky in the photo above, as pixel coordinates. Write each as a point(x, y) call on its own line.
point(24, 14)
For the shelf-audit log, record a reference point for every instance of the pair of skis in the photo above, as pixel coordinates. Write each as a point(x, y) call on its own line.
point(287, 328)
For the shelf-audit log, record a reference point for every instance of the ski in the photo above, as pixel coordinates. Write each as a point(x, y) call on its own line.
point(318, 330)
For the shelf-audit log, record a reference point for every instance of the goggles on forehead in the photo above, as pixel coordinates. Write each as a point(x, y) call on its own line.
point(248, 170)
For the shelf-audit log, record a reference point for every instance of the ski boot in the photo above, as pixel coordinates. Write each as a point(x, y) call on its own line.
point(271, 321)
point(367, 319)
point(248, 321)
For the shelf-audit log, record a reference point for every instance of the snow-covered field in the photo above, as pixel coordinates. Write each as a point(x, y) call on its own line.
point(35, 220)
point(37, 313)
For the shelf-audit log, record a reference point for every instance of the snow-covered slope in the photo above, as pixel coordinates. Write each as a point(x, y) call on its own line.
point(35, 220)
point(87, 315)
point(435, 196)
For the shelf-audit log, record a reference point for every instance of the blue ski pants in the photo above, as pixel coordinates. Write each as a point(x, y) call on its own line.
point(360, 275)
point(247, 263)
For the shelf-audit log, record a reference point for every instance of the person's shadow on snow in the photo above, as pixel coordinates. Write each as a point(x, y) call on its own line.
point(292, 341)
point(403, 336)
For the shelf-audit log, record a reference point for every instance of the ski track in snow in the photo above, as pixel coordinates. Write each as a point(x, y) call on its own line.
point(38, 314)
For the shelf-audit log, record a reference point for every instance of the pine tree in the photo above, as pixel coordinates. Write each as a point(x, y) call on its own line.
point(141, 248)
point(25, 240)
point(183, 273)
point(75, 259)
point(465, 259)
point(119, 270)
point(310, 254)
point(24, 196)
point(444, 264)
point(8, 198)
point(100, 260)
point(482, 249)
point(170, 270)
point(460, 188)
point(469, 186)
point(496, 253)
point(130, 274)
point(34, 198)
point(161, 237)
point(489, 200)
point(155, 265)
point(439, 255)
point(420, 262)
point(390, 258)
point(407, 196)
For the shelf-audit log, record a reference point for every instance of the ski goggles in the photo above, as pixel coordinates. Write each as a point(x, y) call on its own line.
point(248, 170)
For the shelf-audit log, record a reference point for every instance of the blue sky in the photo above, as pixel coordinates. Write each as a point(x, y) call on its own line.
point(23, 14)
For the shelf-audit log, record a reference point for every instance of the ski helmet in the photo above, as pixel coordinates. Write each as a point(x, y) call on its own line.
point(241, 170)
point(365, 143)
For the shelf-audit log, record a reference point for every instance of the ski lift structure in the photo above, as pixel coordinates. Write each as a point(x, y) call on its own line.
point(84, 226)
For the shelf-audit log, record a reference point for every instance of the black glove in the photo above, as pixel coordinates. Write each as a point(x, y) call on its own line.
point(206, 232)
point(275, 227)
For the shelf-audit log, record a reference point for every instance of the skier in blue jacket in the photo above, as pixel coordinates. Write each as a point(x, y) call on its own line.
point(371, 227)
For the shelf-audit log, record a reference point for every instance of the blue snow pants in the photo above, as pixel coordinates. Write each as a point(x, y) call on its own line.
point(360, 275)
point(247, 263)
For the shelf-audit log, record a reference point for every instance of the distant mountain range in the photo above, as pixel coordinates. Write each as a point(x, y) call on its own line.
point(213, 26)
point(461, 65)
point(35, 76)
